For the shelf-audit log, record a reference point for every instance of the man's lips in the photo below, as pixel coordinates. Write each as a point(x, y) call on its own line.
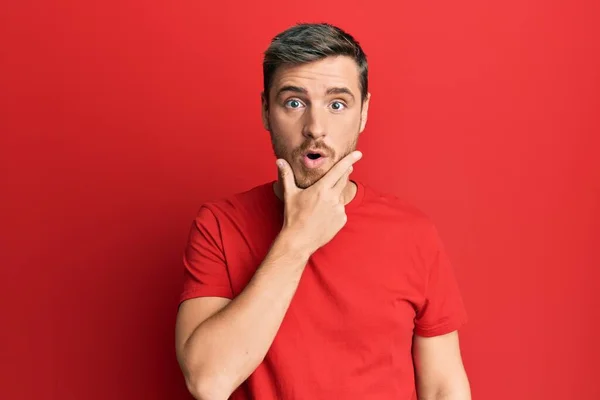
point(319, 152)
point(310, 161)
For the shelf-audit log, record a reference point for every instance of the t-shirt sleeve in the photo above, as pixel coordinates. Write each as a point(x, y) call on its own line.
point(442, 310)
point(205, 268)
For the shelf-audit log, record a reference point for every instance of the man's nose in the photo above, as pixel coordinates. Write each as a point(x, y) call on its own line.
point(315, 123)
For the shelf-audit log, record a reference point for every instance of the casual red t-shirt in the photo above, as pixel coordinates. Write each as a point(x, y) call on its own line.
point(348, 331)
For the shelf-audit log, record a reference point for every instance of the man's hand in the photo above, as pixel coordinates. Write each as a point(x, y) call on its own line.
point(316, 214)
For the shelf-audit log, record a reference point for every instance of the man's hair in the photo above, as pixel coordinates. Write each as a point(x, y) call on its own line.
point(305, 43)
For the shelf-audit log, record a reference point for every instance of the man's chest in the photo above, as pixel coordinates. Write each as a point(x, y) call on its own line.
point(363, 281)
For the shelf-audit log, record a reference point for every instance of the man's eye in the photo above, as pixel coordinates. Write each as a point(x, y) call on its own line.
point(293, 104)
point(338, 105)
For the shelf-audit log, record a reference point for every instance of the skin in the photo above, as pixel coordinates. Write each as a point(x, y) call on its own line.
point(306, 115)
point(440, 373)
point(220, 342)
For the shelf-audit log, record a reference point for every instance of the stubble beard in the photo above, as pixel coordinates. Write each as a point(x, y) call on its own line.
point(303, 176)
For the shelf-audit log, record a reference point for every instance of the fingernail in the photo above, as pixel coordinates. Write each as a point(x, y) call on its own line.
point(279, 163)
point(358, 154)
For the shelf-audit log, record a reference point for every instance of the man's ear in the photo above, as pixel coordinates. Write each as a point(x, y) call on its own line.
point(265, 111)
point(364, 113)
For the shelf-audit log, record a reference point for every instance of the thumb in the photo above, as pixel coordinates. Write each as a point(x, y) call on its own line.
point(286, 177)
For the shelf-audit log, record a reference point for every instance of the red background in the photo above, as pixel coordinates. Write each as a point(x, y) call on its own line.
point(119, 118)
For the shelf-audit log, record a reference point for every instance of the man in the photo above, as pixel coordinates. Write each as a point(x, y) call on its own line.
point(315, 286)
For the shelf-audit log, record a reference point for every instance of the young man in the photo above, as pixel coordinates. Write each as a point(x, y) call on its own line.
point(315, 286)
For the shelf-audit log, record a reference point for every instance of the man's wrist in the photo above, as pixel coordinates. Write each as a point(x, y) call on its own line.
point(291, 244)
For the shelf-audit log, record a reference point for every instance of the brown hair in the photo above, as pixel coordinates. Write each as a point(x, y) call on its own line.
point(304, 43)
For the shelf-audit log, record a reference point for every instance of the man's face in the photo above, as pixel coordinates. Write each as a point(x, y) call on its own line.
point(315, 115)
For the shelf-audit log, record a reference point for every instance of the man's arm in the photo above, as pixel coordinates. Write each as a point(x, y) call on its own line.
point(440, 372)
point(219, 343)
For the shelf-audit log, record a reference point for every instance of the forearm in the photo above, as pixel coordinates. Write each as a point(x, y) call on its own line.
point(226, 348)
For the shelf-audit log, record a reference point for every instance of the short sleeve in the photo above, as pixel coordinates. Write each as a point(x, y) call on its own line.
point(442, 310)
point(205, 269)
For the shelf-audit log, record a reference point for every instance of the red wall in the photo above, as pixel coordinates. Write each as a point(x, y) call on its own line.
point(119, 118)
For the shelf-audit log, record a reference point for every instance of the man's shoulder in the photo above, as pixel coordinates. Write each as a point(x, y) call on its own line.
point(395, 208)
point(392, 202)
point(249, 201)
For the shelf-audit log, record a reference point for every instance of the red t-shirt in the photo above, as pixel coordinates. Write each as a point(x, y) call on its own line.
point(348, 331)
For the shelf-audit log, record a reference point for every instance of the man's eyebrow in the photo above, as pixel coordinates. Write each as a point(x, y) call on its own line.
point(291, 88)
point(340, 90)
point(331, 90)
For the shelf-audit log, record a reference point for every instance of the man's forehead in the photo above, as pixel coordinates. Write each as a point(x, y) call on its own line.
point(319, 75)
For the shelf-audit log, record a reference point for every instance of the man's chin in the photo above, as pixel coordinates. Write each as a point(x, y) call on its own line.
point(307, 178)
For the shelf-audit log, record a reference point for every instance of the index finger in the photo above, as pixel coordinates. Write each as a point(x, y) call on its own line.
point(338, 170)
